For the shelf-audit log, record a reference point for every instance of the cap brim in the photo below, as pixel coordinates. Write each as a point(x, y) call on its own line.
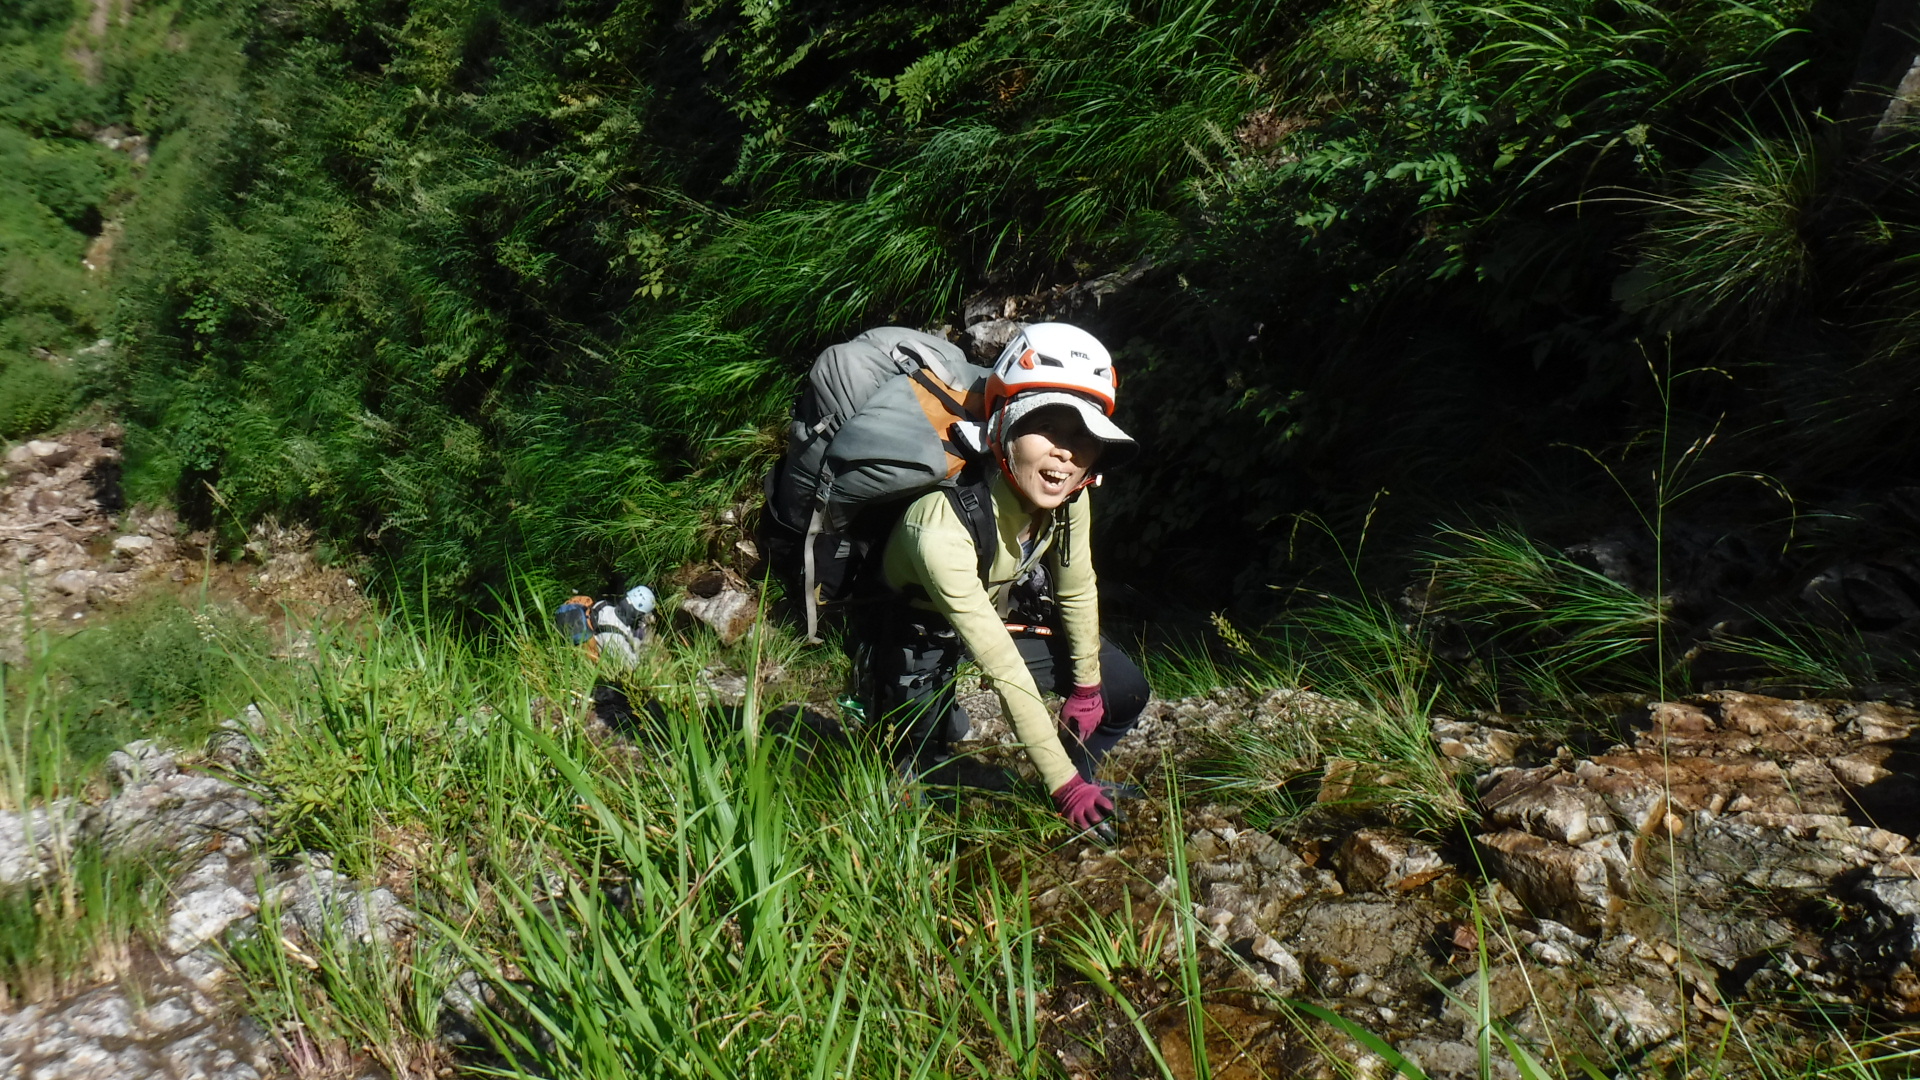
point(1120, 445)
point(1097, 423)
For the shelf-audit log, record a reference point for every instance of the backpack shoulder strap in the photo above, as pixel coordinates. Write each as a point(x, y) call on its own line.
point(972, 499)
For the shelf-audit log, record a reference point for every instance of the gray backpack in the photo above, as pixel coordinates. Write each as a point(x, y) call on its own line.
point(882, 419)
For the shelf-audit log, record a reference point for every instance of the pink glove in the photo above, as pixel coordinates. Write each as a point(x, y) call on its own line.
point(1083, 711)
point(1084, 805)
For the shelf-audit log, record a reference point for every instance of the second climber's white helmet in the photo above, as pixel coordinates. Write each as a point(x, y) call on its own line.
point(1053, 356)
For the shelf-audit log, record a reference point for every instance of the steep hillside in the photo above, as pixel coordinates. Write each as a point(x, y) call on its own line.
point(479, 287)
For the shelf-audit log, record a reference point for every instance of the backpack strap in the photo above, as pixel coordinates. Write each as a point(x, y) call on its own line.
point(932, 386)
point(809, 596)
point(972, 499)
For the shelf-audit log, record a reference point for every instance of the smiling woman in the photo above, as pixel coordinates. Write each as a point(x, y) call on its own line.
point(1029, 614)
point(1051, 455)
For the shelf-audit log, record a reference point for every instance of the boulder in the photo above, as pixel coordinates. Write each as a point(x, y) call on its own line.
point(49, 455)
point(203, 915)
point(1548, 803)
point(1351, 936)
point(1626, 1018)
point(1474, 743)
point(724, 601)
point(165, 809)
point(1559, 881)
point(1281, 965)
point(1875, 722)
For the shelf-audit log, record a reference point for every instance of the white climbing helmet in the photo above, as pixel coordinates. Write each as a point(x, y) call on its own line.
point(1055, 364)
point(1053, 356)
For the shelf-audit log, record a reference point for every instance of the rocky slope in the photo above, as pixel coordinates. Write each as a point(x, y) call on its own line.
point(1735, 859)
point(167, 1014)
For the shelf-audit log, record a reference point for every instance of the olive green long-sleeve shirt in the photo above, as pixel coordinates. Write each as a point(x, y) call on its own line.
point(933, 550)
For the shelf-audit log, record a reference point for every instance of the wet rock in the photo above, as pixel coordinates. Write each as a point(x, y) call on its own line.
point(1734, 855)
point(1373, 860)
point(1728, 936)
point(1351, 936)
point(1509, 987)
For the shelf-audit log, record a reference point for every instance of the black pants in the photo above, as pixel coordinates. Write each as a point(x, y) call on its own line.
point(913, 660)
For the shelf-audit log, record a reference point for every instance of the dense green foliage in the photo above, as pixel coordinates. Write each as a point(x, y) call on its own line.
point(472, 284)
point(56, 185)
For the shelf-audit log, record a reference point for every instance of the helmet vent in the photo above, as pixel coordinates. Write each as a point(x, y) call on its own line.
point(1048, 361)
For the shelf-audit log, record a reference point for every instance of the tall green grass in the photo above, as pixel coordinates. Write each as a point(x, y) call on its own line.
point(704, 899)
point(77, 924)
point(695, 897)
point(1544, 626)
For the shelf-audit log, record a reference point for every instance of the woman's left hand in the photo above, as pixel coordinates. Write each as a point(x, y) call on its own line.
point(1083, 711)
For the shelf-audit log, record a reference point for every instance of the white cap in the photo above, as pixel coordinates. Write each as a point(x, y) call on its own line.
point(1120, 445)
point(640, 599)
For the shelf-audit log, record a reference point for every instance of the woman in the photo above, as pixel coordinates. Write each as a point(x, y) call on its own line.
point(1049, 400)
